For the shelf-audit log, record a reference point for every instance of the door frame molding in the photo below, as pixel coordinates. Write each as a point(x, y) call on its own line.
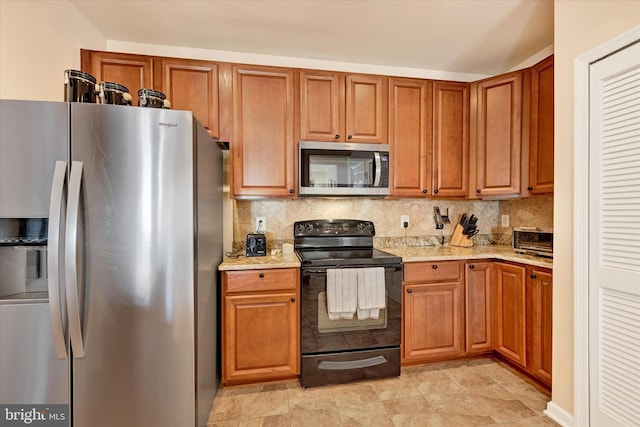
point(581, 144)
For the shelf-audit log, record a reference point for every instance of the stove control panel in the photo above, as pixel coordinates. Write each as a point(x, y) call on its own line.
point(333, 227)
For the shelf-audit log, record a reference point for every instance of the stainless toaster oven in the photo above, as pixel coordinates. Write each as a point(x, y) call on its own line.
point(533, 240)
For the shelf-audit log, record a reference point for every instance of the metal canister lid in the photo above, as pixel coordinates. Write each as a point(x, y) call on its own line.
point(114, 86)
point(151, 93)
point(76, 74)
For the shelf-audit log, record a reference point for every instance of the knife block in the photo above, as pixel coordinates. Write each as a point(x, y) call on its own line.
point(459, 239)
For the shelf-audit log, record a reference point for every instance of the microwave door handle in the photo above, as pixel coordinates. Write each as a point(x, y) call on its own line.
point(378, 169)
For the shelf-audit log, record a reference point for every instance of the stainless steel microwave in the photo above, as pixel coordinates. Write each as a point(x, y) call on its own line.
point(343, 169)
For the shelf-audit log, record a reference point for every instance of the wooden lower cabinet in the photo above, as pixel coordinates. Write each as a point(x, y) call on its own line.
point(478, 277)
point(509, 312)
point(433, 311)
point(499, 306)
point(539, 322)
point(260, 325)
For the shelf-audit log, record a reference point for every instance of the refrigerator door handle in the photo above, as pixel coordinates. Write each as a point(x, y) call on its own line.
point(56, 205)
point(71, 264)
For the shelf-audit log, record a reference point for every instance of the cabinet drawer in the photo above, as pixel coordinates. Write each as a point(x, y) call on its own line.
point(261, 280)
point(435, 271)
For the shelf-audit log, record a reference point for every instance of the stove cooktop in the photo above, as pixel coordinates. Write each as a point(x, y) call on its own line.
point(339, 242)
point(342, 257)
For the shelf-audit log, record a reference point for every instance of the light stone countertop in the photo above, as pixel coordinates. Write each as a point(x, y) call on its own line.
point(279, 260)
point(408, 254)
point(442, 253)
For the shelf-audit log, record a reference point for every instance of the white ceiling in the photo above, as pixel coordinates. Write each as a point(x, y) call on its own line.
point(465, 36)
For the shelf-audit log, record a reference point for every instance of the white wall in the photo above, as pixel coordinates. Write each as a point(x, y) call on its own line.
point(38, 41)
point(580, 26)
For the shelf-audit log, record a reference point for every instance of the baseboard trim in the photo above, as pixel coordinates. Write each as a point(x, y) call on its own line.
point(559, 415)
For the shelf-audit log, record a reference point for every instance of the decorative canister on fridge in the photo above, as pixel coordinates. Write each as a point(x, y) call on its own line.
point(114, 94)
point(152, 99)
point(79, 86)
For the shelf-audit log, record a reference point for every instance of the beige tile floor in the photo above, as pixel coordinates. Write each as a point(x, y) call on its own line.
point(461, 393)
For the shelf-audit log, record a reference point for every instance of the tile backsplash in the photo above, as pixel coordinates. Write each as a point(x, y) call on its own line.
point(536, 211)
point(385, 214)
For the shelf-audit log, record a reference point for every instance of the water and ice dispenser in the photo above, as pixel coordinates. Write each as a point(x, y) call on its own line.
point(23, 258)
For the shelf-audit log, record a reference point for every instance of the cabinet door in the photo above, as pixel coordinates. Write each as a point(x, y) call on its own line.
point(321, 106)
point(509, 306)
point(450, 139)
point(192, 85)
point(478, 279)
point(260, 337)
point(410, 122)
point(539, 319)
point(133, 71)
point(541, 134)
point(366, 108)
point(262, 149)
point(497, 143)
point(432, 321)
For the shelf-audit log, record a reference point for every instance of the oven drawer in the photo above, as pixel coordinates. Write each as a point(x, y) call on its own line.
point(431, 271)
point(270, 279)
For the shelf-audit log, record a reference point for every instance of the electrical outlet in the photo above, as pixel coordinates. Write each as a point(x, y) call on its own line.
point(505, 220)
point(404, 219)
point(261, 224)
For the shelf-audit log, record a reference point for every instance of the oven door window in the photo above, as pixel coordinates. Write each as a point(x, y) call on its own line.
point(320, 334)
point(327, 325)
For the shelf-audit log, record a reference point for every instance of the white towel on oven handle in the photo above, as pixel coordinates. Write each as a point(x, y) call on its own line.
point(342, 293)
point(371, 292)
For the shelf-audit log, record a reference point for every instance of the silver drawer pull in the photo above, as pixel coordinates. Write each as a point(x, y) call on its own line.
point(353, 364)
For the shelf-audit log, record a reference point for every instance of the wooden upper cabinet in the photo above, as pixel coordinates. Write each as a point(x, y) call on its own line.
point(337, 107)
point(192, 85)
point(541, 142)
point(410, 123)
point(133, 71)
point(496, 141)
point(366, 108)
point(262, 148)
point(450, 139)
point(321, 106)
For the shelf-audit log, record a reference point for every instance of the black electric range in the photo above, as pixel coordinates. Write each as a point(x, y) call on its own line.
point(346, 349)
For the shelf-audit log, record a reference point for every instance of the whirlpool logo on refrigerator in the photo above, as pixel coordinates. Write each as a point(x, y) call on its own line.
point(167, 125)
point(34, 415)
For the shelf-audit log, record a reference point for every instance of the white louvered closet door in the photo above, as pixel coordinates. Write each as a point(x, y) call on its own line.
point(614, 240)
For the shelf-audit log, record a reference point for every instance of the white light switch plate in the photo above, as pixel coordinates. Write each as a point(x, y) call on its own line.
point(505, 220)
point(261, 224)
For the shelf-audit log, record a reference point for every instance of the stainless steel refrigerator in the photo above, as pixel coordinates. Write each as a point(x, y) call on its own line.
point(110, 304)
